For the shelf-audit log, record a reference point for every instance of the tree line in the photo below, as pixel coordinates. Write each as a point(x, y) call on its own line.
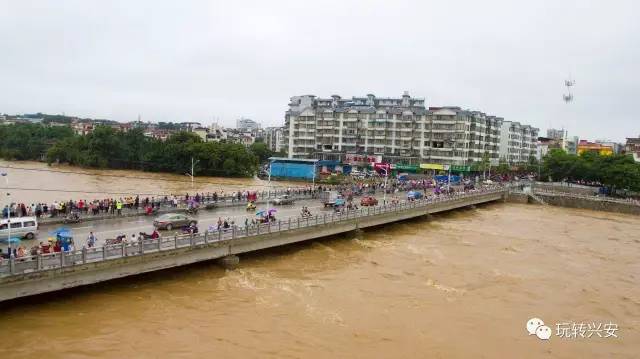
point(105, 147)
point(617, 171)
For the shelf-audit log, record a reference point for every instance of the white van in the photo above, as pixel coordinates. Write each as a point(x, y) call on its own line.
point(23, 227)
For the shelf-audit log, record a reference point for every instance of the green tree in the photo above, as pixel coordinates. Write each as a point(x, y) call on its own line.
point(261, 151)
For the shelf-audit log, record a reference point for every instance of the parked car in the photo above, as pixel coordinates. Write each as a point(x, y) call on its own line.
point(283, 200)
point(170, 221)
point(368, 201)
point(23, 227)
point(413, 195)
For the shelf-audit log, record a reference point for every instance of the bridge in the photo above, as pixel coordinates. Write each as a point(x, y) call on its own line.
point(44, 273)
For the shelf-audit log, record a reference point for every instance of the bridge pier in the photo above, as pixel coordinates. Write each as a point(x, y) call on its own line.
point(473, 206)
point(229, 262)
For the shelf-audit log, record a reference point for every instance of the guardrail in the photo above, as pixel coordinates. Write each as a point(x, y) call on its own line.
point(592, 198)
point(52, 261)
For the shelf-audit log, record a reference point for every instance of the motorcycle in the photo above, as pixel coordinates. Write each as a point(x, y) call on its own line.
point(251, 206)
point(189, 230)
point(144, 235)
point(192, 210)
point(71, 218)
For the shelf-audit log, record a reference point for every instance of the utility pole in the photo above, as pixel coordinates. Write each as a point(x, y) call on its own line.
point(192, 174)
point(6, 179)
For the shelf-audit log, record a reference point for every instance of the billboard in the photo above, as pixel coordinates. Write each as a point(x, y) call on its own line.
point(354, 159)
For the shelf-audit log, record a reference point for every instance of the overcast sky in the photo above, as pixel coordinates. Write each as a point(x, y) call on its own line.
point(200, 60)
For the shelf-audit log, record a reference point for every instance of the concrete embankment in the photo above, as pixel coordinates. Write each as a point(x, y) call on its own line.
point(79, 268)
point(593, 203)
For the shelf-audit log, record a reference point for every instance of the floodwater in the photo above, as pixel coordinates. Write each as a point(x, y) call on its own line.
point(31, 182)
point(459, 285)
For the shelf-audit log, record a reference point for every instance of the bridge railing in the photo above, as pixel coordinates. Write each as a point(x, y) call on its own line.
point(49, 261)
point(602, 198)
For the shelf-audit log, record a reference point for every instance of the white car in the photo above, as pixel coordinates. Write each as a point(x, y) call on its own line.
point(23, 227)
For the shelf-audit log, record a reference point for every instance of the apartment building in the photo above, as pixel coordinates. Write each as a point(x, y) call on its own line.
point(247, 125)
point(518, 142)
point(402, 130)
point(274, 138)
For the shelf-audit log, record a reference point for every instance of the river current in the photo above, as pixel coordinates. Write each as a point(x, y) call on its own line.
point(459, 285)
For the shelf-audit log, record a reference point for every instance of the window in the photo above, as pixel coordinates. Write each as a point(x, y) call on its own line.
point(3, 226)
point(16, 225)
point(30, 224)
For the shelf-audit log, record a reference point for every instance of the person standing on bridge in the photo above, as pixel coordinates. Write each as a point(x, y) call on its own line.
point(92, 239)
point(119, 207)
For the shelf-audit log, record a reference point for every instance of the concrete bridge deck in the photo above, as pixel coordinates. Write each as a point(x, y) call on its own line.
point(52, 272)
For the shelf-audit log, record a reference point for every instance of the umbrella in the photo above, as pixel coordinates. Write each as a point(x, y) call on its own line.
point(14, 240)
point(62, 232)
point(260, 212)
point(273, 210)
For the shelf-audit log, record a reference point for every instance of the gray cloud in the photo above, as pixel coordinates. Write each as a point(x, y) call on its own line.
point(194, 60)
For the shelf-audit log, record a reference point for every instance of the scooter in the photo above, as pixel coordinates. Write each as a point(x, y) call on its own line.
point(72, 218)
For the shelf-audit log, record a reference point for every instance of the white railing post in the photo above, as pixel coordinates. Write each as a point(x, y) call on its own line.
point(219, 233)
point(175, 241)
point(206, 234)
point(104, 252)
point(84, 255)
point(279, 225)
point(39, 259)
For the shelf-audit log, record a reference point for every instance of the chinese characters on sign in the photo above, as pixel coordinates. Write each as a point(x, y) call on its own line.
point(586, 330)
point(536, 326)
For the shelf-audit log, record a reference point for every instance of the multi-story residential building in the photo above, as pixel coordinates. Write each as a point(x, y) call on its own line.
point(632, 147)
point(617, 147)
point(518, 142)
point(566, 142)
point(399, 129)
point(246, 124)
point(202, 132)
point(216, 133)
point(556, 134)
point(274, 138)
point(586, 146)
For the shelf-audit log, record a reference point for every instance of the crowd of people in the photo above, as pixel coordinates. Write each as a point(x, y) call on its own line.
point(116, 206)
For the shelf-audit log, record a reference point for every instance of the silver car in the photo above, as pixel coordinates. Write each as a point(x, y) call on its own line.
point(283, 200)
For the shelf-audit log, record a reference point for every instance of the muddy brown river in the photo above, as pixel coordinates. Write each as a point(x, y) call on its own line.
point(31, 182)
point(459, 285)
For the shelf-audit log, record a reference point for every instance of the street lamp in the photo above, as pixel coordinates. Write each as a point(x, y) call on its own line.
point(384, 190)
point(192, 174)
point(6, 179)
